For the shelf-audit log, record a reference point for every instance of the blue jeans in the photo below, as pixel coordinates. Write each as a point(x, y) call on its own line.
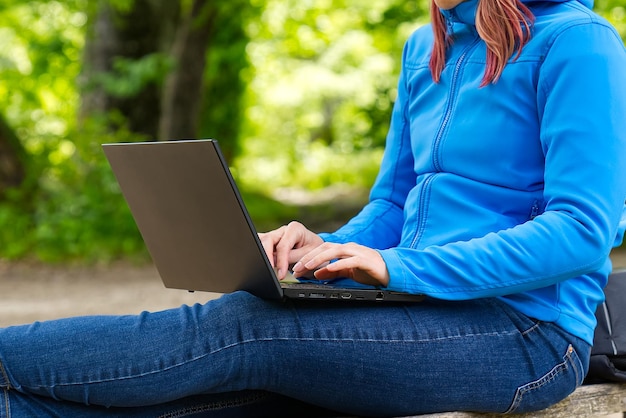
point(243, 356)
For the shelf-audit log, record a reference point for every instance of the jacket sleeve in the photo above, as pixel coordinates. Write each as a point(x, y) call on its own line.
point(581, 99)
point(379, 224)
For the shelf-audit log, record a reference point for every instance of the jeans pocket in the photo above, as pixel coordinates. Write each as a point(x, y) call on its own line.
point(552, 387)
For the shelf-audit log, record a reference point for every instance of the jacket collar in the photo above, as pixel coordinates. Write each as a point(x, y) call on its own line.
point(464, 12)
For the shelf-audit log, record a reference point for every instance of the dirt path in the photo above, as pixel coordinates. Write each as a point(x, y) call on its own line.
point(34, 292)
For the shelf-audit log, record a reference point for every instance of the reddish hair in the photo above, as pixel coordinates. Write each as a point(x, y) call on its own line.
point(504, 26)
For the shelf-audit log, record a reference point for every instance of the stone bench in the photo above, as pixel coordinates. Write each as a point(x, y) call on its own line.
point(588, 401)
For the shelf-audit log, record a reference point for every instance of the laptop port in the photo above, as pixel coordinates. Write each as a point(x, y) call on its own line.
point(316, 295)
point(380, 296)
point(346, 295)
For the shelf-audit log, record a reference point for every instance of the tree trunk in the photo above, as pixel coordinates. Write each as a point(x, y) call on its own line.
point(144, 29)
point(182, 95)
point(197, 97)
point(12, 159)
point(224, 89)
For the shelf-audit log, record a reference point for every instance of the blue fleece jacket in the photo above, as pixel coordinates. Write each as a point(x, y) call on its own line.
point(515, 190)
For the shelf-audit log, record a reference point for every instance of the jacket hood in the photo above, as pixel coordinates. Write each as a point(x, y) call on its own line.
point(465, 12)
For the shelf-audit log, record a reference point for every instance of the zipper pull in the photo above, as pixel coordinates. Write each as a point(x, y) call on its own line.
point(534, 211)
point(450, 25)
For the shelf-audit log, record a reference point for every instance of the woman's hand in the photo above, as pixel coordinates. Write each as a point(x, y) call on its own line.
point(287, 245)
point(360, 263)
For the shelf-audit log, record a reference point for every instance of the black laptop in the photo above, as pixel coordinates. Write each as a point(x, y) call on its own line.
point(198, 231)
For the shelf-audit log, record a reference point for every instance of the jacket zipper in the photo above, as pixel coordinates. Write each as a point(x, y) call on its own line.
point(422, 212)
point(451, 99)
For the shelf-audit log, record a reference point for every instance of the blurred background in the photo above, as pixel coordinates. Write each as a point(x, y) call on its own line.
point(297, 92)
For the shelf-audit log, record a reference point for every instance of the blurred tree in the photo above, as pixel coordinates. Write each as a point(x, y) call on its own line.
point(124, 60)
point(222, 108)
point(157, 64)
point(183, 89)
point(12, 158)
point(202, 95)
point(103, 64)
point(38, 42)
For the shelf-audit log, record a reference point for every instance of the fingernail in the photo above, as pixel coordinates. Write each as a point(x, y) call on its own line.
point(297, 266)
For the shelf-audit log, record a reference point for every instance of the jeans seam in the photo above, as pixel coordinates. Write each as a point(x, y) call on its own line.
point(262, 340)
point(7, 410)
point(542, 381)
point(577, 365)
point(214, 406)
point(531, 329)
point(4, 376)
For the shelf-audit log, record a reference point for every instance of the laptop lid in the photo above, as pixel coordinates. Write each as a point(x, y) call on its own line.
point(191, 217)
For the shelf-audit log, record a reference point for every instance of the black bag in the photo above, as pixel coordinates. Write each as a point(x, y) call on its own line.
point(608, 355)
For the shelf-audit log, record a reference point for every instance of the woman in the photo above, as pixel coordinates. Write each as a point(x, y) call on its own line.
point(500, 195)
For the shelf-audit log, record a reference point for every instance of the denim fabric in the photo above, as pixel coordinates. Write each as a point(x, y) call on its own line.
point(244, 356)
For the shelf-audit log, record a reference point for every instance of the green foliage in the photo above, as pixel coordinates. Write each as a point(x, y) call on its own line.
point(226, 60)
point(316, 78)
point(130, 76)
point(80, 212)
point(320, 90)
point(40, 48)
point(615, 12)
point(122, 5)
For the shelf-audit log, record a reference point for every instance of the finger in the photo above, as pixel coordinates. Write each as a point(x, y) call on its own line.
point(325, 273)
point(319, 257)
point(268, 247)
point(307, 258)
point(293, 237)
point(344, 267)
point(349, 267)
point(329, 252)
point(283, 248)
point(360, 263)
point(269, 241)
